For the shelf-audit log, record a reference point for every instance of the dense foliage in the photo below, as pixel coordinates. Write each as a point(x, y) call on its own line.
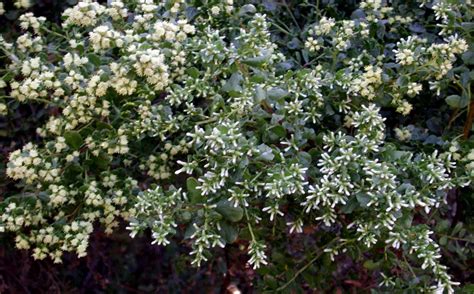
point(249, 122)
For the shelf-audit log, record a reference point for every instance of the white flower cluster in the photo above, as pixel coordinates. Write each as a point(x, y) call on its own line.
point(427, 250)
point(22, 4)
point(324, 26)
point(117, 10)
point(367, 83)
point(447, 11)
point(86, 13)
point(26, 164)
point(3, 109)
point(103, 38)
point(159, 167)
point(340, 34)
point(158, 208)
point(28, 20)
point(402, 134)
point(312, 44)
point(257, 251)
point(26, 43)
point(79, 87)
point(151, 65)
point(439, 57)
point(381, 190)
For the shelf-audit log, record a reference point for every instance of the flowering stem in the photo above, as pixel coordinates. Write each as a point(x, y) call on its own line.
point(248, 224)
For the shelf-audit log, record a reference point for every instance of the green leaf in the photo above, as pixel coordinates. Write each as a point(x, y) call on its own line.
point(468, 57)
point(101, 162)
point(454, 101)
point(278, 131)
point(229, 212)
point(260, 94)
point(72, 172)
point(94, 59)
point(8, 77)
point(247, 9)
point(457, 228)
point(276, 93)
point(443, 226)
point(100, 125)
point(467, 289)
point(190, 229)
point(443, 241)
point(363, 199)
point(193, 72)
point(266, 153)
point(304, 158)
point(406, 220)
point(73, 139)
point(371, 265)
point(233, 84)
point(259, 60)
point(185, 216)
point(193, 191)
point(467, 26)
point(228, 232)
point(402, 81)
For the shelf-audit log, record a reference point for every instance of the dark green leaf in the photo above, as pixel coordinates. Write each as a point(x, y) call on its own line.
point(73, 139)
point(94, 59)
point(228, 211)
point(193, 192)
point(278, 131)
point(193, 72)
point(228, 232)
point(363, 199)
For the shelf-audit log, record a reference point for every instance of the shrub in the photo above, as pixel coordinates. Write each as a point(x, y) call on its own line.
point(191, 119)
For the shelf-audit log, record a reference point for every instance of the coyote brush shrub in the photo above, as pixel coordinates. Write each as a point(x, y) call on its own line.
point(193, 120)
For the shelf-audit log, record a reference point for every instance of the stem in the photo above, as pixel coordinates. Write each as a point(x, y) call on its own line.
point(334, 60)
point(84, 126)
point(54, 33)
point(281, 29)
point(248, 224)
point(207, 121)
point(470, 118)
point(41, 100)
point(291, 14)
point(455, 115)
point(456, 238)
point(409, 266)
point(301, 270)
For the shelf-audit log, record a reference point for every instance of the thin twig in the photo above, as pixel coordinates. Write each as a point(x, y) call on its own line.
point(305, 267)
